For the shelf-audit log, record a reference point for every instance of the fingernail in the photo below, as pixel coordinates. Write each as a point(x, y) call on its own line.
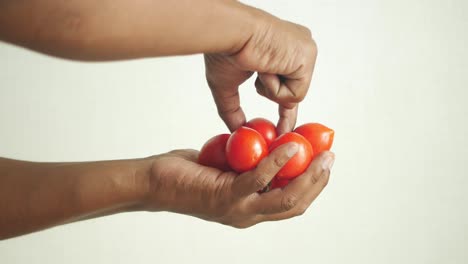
point(292, 149)
point(328, 162)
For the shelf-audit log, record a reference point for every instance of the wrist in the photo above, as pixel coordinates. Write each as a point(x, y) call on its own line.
point(142, 181)
point(254, 24)
point(108, 187)
point(239, 23)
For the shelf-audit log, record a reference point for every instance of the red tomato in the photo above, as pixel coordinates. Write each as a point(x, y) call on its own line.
point(245, 148)
point(213, 153)
point(278, 183)
point(319, 136)
point(300, 161)
point(263, 126)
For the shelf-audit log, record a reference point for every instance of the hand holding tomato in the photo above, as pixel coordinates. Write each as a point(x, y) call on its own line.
point(213, 153)
point(247, 146)
point(179, 184)
point(299, 162)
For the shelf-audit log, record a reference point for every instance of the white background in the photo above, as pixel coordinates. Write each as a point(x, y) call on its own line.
point(391, 79)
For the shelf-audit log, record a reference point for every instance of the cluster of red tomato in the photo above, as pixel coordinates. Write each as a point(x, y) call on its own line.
point(242, 150)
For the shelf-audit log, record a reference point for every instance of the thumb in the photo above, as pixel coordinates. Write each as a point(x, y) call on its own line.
point(254, 180)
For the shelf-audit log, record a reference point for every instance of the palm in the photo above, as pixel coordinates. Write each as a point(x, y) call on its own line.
point(179, 184)
point(188, 187)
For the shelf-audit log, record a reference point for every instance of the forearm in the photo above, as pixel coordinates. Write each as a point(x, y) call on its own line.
point(122, 29)
point(35, 196)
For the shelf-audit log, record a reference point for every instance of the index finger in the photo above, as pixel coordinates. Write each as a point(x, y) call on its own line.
point(229, 109)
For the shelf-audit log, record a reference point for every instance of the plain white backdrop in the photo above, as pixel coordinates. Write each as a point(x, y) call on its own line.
point(391, 79)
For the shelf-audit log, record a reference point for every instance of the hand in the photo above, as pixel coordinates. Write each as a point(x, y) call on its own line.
point(178, 184)
point(282, 53)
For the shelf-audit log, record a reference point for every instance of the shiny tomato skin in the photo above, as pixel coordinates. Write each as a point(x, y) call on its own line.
point(213, 153)
point(265, 127)
point(300, 161)
point(278, 183)
point(245, 149)
point(319, 136)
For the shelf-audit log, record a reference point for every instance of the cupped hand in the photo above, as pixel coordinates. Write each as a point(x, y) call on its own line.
point(282, 53)
point(177, 183)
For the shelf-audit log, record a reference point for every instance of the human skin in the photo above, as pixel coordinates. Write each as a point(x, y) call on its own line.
point(237, 40)
point(35, 196)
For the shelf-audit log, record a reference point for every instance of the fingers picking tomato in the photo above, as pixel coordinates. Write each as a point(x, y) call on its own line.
point(300, 161)
point(213, 153)
point(265, 127)
point(245, 149)
point(319, 136)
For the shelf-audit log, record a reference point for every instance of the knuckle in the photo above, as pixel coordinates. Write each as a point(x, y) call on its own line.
point(266, 47)
point(301, 94)
point(297, 96)
point(288, 202)
point(175, 152)
point(241, 225)
point(300, 91)
point(314, 178)
point(315, 175)
point(313, 47)
point(301, 210)
point(260, 182)
point(279, 161)
point(307, 31)
point(298, 212)
point(223, 112)
point(326, 179)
